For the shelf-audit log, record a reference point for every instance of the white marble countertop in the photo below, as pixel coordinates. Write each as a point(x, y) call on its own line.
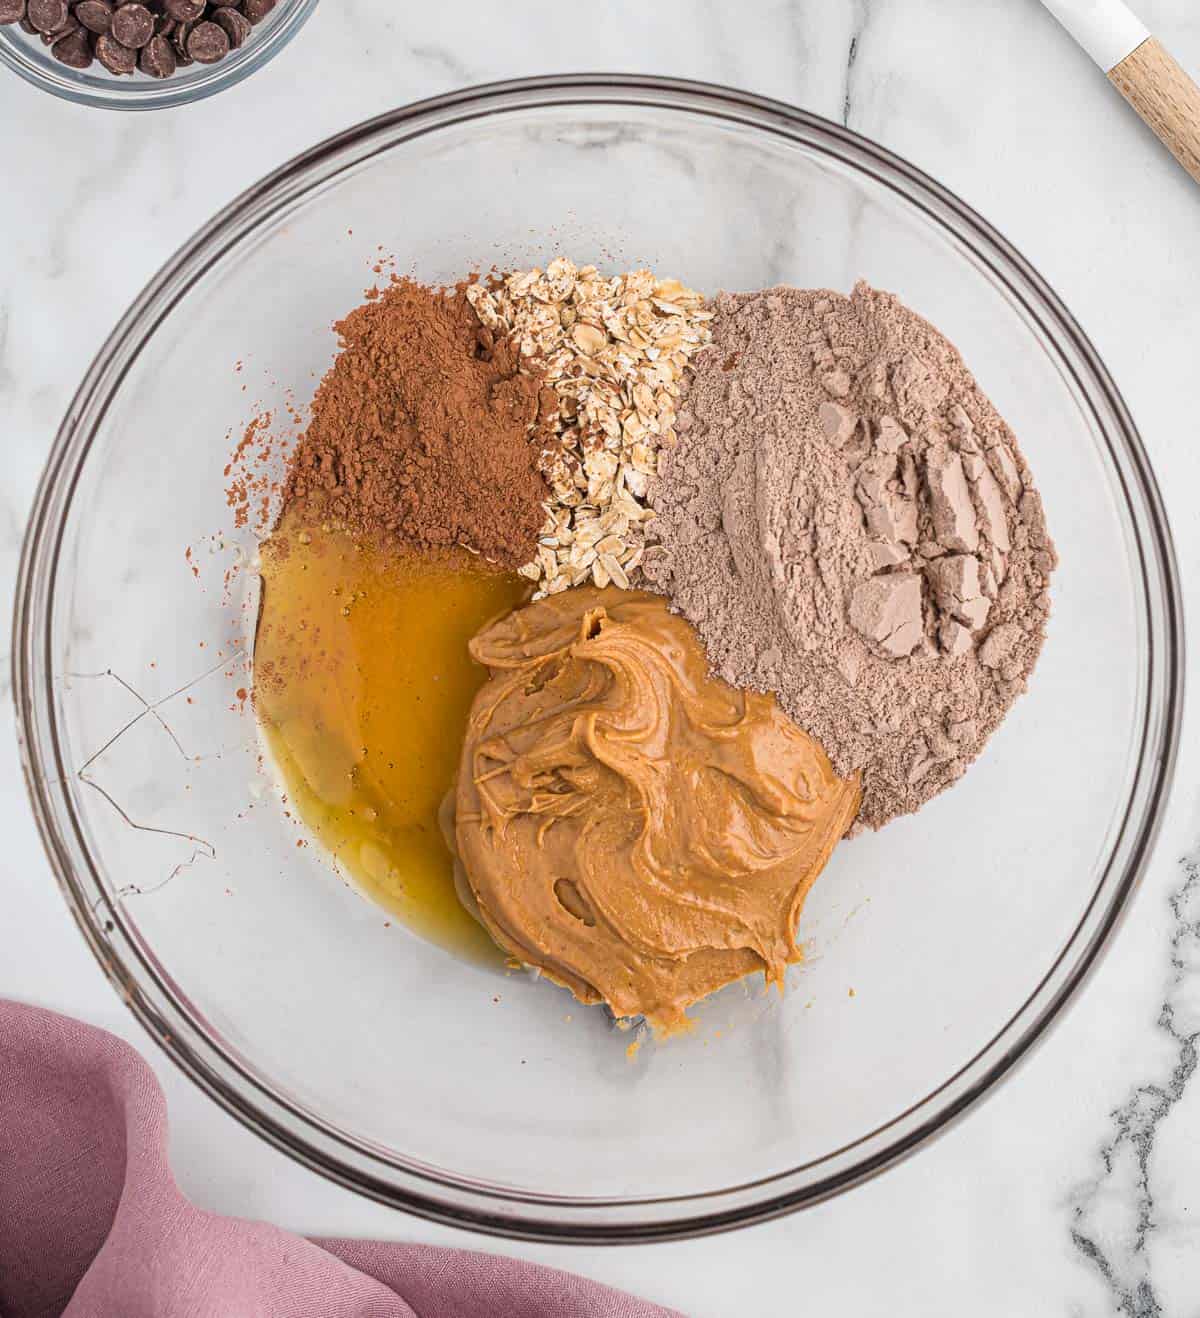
point(1071, 1190)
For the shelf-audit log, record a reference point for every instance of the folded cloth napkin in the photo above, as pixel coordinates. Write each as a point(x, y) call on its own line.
point(93, 1224)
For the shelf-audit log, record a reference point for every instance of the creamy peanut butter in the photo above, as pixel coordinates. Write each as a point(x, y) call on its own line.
point(637, 829)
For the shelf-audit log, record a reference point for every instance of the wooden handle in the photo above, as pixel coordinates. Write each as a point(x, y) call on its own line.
point(1166, 98)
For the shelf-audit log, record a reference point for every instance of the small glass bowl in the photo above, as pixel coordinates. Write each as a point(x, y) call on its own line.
point(97, 87)
point(937, 951)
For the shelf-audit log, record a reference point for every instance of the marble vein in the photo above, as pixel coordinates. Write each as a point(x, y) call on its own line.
point(6, 376)
point(443, 63)
point(108, 175)
point(862, 16)
point(1116, 1244)
point(10, 551)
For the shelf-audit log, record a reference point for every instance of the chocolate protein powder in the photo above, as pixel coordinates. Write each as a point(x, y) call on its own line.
point(419, 431)
point(849, 523)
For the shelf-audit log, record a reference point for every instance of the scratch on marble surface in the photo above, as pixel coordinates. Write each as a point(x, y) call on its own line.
point(1117, 1247)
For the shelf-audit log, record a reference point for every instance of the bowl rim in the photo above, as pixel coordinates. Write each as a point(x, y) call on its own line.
point(139, 93)
point(439, 1195)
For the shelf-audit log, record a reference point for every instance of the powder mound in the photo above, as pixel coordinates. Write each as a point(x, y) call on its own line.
point(419, 431)
point(850, 524)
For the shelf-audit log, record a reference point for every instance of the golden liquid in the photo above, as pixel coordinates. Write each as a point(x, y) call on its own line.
point(363, 685)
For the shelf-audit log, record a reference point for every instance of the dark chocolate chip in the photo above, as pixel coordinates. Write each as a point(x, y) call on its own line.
point(235, 25)
point(159, 36)
point(49, 38)
point(74, 50)
point(158, 58)
point(207, 43)
point(115, 57)
point(133, 25)
point(48, 15)
point(95, 15)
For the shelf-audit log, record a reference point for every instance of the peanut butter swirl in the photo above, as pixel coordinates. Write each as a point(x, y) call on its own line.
point(637, 829)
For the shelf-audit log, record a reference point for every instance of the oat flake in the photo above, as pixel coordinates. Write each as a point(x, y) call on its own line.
point(612, 352)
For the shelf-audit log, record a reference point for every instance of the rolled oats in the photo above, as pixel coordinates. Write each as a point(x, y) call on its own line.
point(613, 351)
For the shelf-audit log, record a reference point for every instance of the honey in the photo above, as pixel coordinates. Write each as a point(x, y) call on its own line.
point(362, 688)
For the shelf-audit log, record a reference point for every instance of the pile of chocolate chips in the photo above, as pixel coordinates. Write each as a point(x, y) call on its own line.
point(156, 36)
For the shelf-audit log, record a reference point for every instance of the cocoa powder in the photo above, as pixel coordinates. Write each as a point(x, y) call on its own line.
point(419, 431)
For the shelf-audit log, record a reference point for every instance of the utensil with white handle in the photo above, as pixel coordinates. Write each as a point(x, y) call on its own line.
point(1141, 69)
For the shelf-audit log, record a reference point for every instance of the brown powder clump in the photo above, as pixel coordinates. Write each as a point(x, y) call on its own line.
point(849, 523)
point(419, 432)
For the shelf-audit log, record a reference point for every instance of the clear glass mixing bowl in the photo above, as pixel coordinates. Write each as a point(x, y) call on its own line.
point(381, 1060)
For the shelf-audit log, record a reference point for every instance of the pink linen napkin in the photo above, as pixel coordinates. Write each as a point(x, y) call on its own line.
point(93, 1224)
